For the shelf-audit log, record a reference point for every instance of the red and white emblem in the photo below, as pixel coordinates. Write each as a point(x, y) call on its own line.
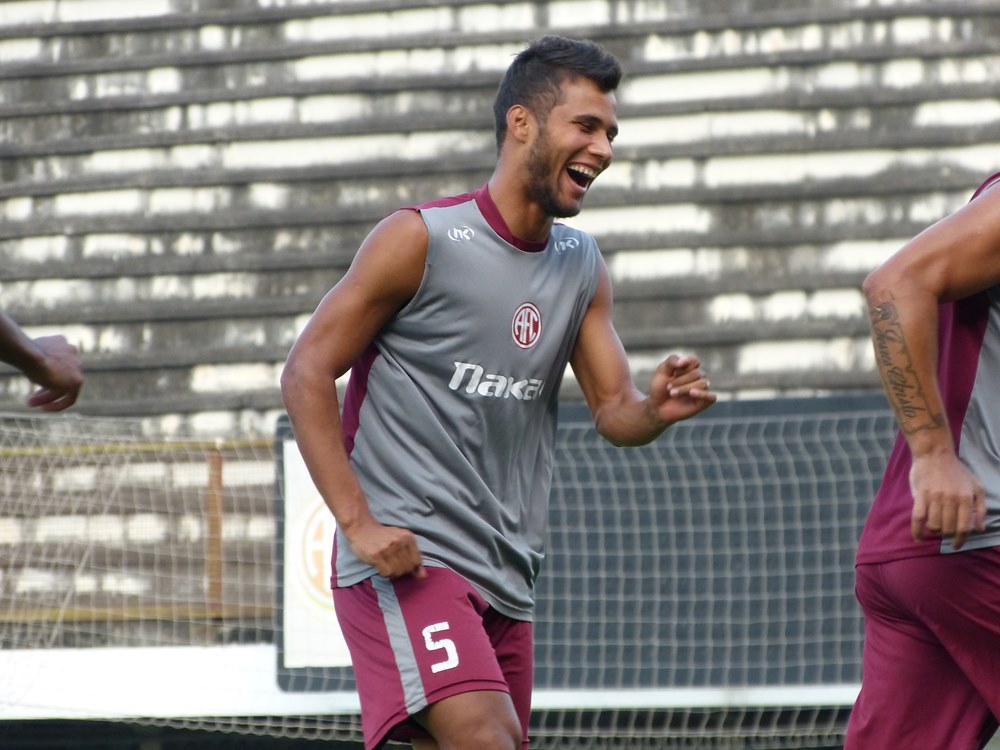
point(526, 326)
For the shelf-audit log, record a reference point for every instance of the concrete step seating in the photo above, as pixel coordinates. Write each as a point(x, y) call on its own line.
point(181, 187)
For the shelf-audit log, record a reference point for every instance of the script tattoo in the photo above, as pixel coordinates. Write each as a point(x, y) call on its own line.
point(905, 391)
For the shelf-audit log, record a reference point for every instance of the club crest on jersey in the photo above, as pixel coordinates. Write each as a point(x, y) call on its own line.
point(526, 326)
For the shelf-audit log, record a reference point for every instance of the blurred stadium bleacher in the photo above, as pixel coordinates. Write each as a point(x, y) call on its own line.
point(182, 181)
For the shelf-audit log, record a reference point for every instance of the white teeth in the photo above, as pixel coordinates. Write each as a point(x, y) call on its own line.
point(587, 171)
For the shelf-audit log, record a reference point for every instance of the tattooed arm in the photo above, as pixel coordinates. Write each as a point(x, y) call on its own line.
point(910, 389)
point(957, 257)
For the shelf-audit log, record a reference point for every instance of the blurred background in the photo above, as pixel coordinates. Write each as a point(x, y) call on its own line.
point(181, 181)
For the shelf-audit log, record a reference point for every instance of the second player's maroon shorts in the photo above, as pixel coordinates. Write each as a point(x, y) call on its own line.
point(931, 663)
point(414, 642)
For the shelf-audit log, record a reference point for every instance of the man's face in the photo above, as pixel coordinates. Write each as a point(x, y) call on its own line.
point(572, 147)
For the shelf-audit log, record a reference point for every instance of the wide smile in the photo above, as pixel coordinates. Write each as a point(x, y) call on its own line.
point(581, 175)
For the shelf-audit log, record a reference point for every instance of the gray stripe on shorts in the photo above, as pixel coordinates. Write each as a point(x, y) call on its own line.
point(402, 648)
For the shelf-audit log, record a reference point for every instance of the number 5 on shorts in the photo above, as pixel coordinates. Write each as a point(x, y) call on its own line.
point(451, 660)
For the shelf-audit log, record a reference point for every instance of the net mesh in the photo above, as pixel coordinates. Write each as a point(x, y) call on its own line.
point(697, 592)
point(710, 575)
point(114, 539)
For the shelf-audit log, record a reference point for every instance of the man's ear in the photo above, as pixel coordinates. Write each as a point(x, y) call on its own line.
point(520, 122)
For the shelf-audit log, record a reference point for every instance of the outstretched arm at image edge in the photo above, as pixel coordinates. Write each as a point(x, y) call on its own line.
point(50, 362)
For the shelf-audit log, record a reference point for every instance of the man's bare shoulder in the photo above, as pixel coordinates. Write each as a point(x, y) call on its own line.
point(390, 261)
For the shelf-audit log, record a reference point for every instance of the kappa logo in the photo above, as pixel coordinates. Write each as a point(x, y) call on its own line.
point(570, 243)
point(526, 326)
point(473, 378)
point(461, 234)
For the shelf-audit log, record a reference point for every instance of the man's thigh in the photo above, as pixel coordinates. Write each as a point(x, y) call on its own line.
point(415, 642)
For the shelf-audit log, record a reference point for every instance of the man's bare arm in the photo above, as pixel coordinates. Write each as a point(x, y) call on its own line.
point(50, 362)
point(383, 277)
point(622, 413)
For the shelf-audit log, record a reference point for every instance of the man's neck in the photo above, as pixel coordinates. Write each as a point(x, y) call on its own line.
point(521, 215)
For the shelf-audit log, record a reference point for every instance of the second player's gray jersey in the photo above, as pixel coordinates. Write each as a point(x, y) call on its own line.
point(450, 417)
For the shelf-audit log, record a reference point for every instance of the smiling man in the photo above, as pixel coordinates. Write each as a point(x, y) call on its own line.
point(457, 319)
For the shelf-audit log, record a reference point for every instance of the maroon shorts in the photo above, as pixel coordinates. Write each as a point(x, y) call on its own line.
point(931, 663)
point(414, 642)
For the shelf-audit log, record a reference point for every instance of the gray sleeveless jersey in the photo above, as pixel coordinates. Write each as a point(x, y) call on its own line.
point(450, 417)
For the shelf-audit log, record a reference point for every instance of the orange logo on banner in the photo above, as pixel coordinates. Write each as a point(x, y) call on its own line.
point(317, 544)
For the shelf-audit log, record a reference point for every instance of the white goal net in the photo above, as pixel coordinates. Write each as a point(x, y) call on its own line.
point(697, 592)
